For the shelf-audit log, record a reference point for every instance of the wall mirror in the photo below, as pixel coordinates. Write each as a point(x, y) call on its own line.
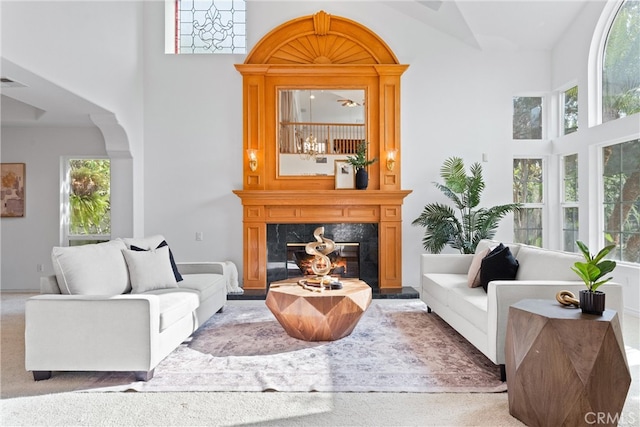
point(316, 127)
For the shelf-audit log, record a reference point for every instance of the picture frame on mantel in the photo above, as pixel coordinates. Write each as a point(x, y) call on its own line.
point(345, 176)
point(12, 191)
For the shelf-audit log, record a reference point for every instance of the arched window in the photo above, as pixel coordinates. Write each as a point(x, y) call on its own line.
point(621, 64)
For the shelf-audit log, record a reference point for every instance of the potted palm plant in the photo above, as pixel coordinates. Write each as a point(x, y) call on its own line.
point(359, 163)
point(592, 272)
point(443, 227)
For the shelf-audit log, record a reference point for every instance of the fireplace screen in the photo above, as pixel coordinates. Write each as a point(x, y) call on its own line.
point(345, 260)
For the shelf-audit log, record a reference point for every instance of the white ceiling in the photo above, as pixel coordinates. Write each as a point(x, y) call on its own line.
point(32, 100)
point(485, 25)
point(499, 24)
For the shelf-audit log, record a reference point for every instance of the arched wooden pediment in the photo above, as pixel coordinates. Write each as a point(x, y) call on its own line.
point(321, 39)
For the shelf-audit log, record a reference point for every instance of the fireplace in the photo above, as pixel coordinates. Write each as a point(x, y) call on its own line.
point(356, 253)
point(378, 212)
point(345, 260)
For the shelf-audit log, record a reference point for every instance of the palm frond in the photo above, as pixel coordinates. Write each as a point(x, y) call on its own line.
point(454, 175)
point(475, 185)
point(460, 203)
point(442, 226)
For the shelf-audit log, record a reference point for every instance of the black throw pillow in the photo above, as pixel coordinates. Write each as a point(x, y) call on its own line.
point(174, 267)
point(500, 264)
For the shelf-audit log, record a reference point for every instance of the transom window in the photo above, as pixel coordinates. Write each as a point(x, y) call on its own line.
point(570, 110)
point(205, 26)
point(527, 117)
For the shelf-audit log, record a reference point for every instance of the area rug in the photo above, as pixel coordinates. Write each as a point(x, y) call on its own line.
point(396, 347)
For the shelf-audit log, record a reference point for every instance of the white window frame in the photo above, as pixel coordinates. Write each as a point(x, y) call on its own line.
point(596, 60)
point(597, 228)
point(561, 111)
point(65, 190)
point(545, 195)
point(544, 118)
point(564, 204)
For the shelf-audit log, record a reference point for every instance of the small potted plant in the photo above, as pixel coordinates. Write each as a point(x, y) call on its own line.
point(592, 272)
point(359, 163)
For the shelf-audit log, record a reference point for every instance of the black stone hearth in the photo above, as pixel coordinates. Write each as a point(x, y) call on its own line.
point(278, 235)
point(406, 292)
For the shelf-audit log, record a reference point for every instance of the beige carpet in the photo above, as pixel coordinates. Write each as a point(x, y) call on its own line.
point(395, 347)
point(25, 402)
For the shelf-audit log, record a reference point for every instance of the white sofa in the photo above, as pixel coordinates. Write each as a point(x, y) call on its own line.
point(109, 308)
point(481, 317)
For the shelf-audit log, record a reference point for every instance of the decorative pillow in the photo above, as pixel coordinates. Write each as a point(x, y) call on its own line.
point(174, 267)
point(500, 264)
point(149, 270)
point(145, 243)
point(473, 276)
point(97, 269)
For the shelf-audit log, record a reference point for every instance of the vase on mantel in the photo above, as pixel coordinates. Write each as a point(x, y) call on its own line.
point(362, 179)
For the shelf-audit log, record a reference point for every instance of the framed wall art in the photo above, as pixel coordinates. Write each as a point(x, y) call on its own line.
point(12, 193)
point(345, 176)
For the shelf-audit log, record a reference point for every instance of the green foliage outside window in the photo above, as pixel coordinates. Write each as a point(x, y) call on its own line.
point(570, 213)
point(527, 117)
point(528, 190)
point(570, 110)
point(621, 164)
point(621, 66)
point(90, 197)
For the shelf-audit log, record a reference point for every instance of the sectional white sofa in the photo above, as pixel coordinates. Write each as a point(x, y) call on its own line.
point(112, 308)
point(481, 317)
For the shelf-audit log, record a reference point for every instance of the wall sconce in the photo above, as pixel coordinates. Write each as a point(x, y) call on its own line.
point(252, 154)
point(391, 159)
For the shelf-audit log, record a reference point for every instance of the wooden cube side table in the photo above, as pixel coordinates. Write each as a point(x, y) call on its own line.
point(563, 365)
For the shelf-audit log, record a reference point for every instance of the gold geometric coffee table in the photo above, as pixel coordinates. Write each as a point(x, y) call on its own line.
point(318, 316)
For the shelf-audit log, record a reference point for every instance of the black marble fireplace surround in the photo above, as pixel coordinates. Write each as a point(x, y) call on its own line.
point(278, 235)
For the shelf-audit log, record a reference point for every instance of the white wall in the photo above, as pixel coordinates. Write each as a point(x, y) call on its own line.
point(27, 242)
point(573, 61)
point(92, 49)
point(456, 101)
point(193, 127)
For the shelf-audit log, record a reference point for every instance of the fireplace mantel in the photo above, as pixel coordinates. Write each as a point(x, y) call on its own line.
point(320, 52)
point(321, 197)
point(262, 207)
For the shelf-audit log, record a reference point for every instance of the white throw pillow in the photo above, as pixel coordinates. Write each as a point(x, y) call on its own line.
point(473, 276)
point(150, 242)
point(97, 269)
point(150, 269)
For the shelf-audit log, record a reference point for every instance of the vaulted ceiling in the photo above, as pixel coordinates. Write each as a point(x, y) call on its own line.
point(485, 25)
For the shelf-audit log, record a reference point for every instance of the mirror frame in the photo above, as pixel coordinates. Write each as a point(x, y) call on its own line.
point(315, 52)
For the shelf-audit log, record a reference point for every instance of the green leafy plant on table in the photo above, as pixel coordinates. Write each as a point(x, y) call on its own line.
point(592, 271)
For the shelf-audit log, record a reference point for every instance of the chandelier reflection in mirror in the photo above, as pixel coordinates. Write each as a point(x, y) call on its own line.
point(308, 146)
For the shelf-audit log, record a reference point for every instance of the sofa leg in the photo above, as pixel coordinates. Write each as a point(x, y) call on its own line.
point(221, 310)
point(41, 375)
point(503, 373)
point(144, 375)
point(428, 309)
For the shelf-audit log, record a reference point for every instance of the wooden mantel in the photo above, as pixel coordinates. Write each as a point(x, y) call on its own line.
point(320, 52)
point(262, 207)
